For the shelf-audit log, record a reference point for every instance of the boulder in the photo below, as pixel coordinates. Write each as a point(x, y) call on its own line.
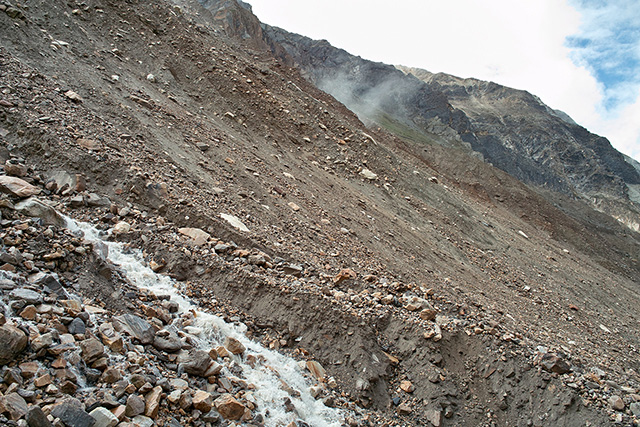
point(152, 402)
point(202, 401)
point(228, 407)
point(198, 237)
point(26, 295)
point(12, 342)
point(316, 369)
point(135, 326)
point(92, 349)
point(36, 418)
point(234, 346)
point(135, 406)
point(71, 413)
point(168, 340)
point(104, 417)
point(553, 363)
point(17, 187)
point(14, 406)
point(196, 362)
point(35, 208)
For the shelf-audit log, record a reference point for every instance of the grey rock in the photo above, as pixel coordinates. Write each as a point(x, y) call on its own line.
point(35, 208)
point(77, 326)
point(135, 406)
point(14, 405)
point(196, 362)
point(27, 295)
point(95, 200)
point(48, 280)
point(135, 326)
point(76, 201)
point(103, 417)
point(635, 409)
point(12, 342)
point(168, 340)
point(71, 413)
point(42, 341)
point(37, 418)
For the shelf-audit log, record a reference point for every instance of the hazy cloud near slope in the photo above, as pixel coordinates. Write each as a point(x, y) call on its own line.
point(517, 44)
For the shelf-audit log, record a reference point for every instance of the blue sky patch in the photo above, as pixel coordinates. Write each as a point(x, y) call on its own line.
point(609, 46)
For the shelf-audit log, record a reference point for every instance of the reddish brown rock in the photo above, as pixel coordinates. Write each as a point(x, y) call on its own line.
point(229, 408)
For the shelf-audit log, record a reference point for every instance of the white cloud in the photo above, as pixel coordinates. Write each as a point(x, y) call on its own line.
point(518, 44)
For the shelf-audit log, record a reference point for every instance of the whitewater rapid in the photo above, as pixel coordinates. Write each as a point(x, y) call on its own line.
point(267, 374)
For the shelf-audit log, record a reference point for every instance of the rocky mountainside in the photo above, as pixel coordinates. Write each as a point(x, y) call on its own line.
point(511, 129)
point(242, 250)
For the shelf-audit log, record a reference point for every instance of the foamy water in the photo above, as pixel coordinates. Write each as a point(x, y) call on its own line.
point(271, 368)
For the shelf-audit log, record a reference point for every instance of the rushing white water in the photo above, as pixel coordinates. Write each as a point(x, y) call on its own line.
point(266, 375)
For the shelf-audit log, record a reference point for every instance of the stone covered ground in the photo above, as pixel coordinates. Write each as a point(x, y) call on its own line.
point(415, 285)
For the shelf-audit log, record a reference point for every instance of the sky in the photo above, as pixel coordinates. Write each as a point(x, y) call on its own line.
point(578, 56)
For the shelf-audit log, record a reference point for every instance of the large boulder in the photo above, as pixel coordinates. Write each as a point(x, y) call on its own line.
point(35, 208)
point(135, 326)
point(12, 342)
point(196, 362)
point(228, 407)
point(17, 187)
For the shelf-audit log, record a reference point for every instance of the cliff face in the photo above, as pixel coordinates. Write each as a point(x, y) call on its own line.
point(519, 124)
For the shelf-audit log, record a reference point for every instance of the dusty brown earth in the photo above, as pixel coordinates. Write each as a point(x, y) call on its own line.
point(461, 278)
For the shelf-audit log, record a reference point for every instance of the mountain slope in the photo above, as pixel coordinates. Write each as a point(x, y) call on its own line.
point(425, 282)
point(511, 129)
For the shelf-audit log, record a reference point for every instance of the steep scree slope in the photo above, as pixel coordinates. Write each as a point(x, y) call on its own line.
point(388, 263)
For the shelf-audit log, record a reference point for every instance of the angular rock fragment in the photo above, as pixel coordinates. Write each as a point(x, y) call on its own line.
point(553, 363)
point(234, 346)
point(135, 326)
point(71, 413)
point(35, 208)
point(17, 187)
point(229, 408)
point(104, 417)
point(12, 342)
point(196, 362)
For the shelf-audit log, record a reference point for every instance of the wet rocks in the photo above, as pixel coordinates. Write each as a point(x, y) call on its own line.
point(72, 413)
point(234, 346)
point(196, 362)
point(316, 369)
point(168, 340)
